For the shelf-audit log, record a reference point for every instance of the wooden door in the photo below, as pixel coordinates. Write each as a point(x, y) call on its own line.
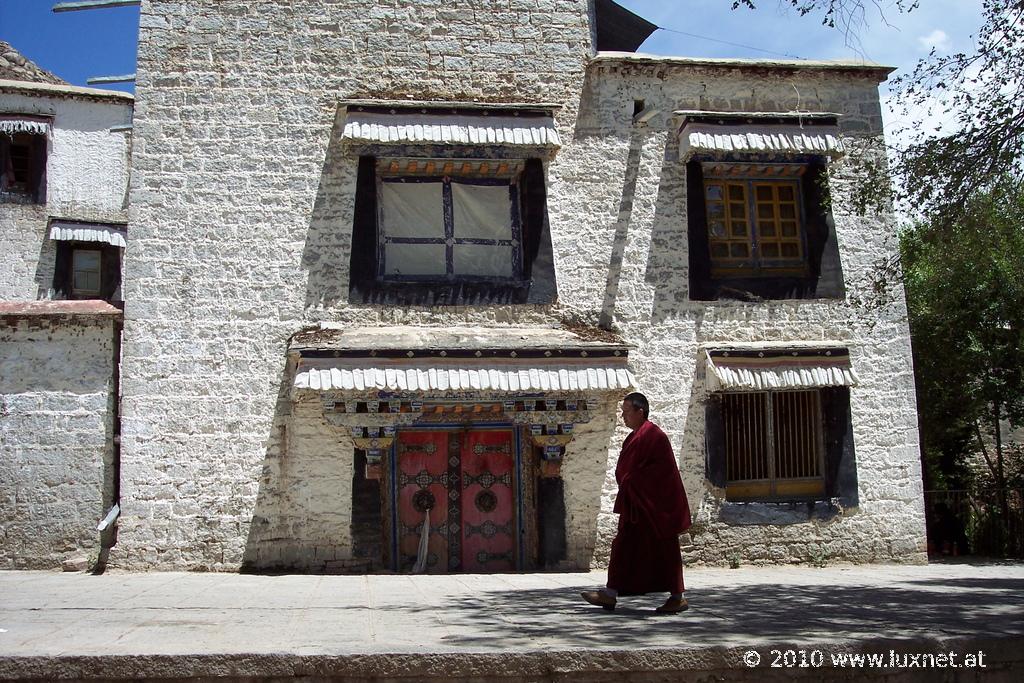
point(467, 482)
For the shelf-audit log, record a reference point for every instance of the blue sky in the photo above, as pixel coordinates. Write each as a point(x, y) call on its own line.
point(79, 45)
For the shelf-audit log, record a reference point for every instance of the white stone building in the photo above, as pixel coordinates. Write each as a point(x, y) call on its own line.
point(64, 154)
point(399, 262)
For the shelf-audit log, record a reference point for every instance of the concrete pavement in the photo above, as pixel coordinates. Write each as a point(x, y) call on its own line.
point(515, 627)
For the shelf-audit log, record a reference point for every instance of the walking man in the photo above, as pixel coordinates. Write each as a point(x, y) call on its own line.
point(653, 511)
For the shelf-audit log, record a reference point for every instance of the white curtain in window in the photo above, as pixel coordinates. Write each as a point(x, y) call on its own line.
point(481, 211)
point(414, 259)
point(483, 260)
point(412, 210)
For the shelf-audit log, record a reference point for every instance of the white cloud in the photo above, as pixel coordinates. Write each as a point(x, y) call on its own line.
point(937, 39)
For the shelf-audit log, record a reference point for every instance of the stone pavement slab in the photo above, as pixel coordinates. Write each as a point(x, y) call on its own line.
point(511, 627)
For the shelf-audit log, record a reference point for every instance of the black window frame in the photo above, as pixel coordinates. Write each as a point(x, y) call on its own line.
point(110, 270)
point(534, 284)
point(823, 276)
point(840, 466)
point(451, 240)
point(36, 150)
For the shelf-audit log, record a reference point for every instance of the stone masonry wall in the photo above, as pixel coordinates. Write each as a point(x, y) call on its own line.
point(241, 217)
point(86, 180)
point(647, 297)
point(56, 438)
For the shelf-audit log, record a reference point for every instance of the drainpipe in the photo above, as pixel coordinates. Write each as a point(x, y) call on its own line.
point(107, 526)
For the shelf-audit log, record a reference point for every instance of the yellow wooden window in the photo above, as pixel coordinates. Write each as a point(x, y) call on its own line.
point(773, 445)
point(754, 226)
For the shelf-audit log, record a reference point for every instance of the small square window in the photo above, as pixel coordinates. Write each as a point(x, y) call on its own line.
point(765, 236)
point(22, 167)
point(460, 226)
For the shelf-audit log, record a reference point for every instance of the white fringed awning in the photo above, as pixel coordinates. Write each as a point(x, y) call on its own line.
point(353, 376)
point(13, 124)
point(778, 369)
point(116, 235)
point(785, 133)
point(407, 127)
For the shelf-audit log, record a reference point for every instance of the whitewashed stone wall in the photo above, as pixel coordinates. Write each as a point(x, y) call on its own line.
point(241, 206)
point(652, 310)
point(241, 215)
point(56, 436)
point(86, 177)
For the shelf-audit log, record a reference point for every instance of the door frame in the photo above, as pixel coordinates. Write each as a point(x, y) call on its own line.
point(517, 478)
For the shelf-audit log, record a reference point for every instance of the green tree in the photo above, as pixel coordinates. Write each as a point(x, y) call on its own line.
point(964, 279)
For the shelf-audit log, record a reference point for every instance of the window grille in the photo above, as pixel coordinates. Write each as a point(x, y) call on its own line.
point(773, 445)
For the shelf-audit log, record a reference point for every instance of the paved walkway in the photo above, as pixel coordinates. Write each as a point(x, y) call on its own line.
point(509, 626)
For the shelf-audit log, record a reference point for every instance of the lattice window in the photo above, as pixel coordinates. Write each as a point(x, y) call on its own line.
point(754, 220)
point(774, 446)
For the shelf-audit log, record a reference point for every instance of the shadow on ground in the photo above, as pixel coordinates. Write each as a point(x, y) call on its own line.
point(743, 614)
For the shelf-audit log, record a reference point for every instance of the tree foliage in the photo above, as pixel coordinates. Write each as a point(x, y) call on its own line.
point(964, 280)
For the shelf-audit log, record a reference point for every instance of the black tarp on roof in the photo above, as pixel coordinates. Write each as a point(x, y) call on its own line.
point(618, 29)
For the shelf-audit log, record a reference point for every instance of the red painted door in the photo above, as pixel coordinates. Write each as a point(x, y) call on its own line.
point(488, 503)
point(423, 480)
point(466, 481)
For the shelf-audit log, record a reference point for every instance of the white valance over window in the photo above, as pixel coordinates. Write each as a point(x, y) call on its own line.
point(468, 129)
point(66, 231)
point(10, 125)
point(758, 132)
point(767, 368)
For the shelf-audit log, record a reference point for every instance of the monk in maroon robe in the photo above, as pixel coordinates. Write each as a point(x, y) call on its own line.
point(653, 511)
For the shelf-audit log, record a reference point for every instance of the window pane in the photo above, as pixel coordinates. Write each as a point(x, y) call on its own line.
point(785, 193)
point(412, 210)
point(789, 229)
point(787, 211)
point(719, 250)
point(738, 210)
point(736, 193)
point(414, 259)
point(716, 210)
point(739, 229)
point(737, 250)
point(770, 250)
point(765, 211)
point(714, 192)
point(85, 275)
point(716, 229)
point(796, 423)
point(790, 250)
point(482, 211)
point(764, 193)
point(482, 260)
point(768, 230)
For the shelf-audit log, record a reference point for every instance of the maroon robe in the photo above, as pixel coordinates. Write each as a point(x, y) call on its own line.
point(653, 511)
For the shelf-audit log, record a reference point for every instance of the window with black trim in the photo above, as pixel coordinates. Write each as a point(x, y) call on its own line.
point(782, 446)
point(22, 167)
point(87, 270)
point(761, 230)
point(449, 219)
point(451, 230)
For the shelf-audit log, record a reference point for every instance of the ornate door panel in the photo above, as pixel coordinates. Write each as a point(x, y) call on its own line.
point(488, 501)
point(467, 481)
point(423, 480)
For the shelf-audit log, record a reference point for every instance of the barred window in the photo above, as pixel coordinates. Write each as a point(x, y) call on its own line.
point(774, 446)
